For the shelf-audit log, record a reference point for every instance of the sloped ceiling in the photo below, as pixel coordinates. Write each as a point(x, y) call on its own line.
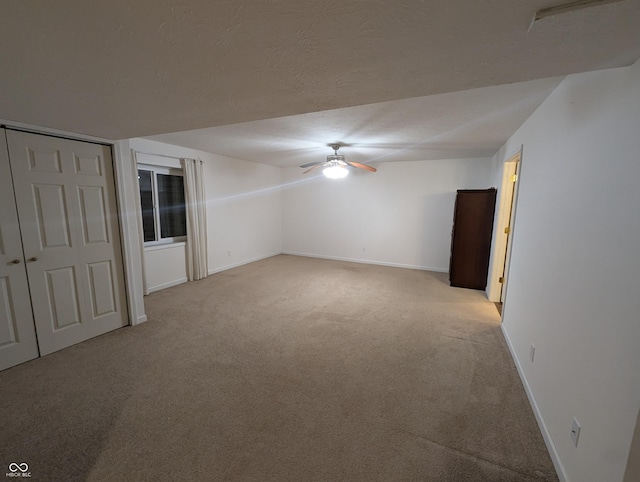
point(456, 125)
point(123, 69)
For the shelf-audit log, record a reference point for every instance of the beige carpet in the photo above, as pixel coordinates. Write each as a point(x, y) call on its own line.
point(287, 369)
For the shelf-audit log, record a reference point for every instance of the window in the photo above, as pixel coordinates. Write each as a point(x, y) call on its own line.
point(162, 201)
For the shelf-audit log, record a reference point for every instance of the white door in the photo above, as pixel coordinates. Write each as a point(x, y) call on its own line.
point(17, 332)
point(66, 204)
point(514, 166)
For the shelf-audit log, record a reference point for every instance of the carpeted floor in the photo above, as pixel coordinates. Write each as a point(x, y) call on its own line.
point(287, 369)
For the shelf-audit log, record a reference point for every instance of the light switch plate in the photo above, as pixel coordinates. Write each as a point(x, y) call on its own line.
point(532, 352)
point(575, 432)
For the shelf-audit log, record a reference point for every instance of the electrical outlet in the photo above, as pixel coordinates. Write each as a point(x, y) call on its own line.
point(532, 352)
point(575, 432)
point(364, 249)
point(229, 253)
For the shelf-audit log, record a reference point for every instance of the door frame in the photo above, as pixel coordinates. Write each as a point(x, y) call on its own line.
point(500, 256)
point(126, 190)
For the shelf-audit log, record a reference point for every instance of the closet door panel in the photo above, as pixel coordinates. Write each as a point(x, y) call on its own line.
point(17, 332)
point(67, 210)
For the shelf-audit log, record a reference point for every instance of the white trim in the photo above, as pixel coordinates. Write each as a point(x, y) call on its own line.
point(158, 155)
point(158, 160)
point(157, 169)
point(127, 192)
point(162, 286)
point(168, 245)
point(172, 241)
point(551, 448)
point(242, 263)
point(56, 132)
point(368, 261)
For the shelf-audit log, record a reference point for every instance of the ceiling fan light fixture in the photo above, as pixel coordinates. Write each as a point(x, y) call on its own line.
point(335, 171)
point(336, 166)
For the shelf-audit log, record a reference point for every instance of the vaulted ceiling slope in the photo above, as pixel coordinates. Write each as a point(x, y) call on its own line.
point(468, 124)
point(123, 68)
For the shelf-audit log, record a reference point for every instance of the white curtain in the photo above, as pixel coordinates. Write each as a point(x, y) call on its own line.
point(195, 201)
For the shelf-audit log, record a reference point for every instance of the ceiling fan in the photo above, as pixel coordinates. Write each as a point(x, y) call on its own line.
point(335, 167)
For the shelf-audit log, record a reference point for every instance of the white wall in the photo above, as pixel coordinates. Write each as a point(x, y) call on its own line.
point(574, 287)
point(401, 216)
point(243, 211)
point(165, 266)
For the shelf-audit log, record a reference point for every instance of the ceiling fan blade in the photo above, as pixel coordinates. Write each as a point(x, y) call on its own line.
point(309, 164)
point(317, 165)
point(362, 166)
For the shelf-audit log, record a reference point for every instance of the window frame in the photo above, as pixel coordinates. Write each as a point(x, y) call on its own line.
point(155, 170)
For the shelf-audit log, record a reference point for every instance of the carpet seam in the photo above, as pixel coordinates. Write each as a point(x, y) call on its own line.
point(476, 457)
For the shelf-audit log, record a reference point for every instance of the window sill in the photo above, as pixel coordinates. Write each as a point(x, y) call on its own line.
point(156, 247)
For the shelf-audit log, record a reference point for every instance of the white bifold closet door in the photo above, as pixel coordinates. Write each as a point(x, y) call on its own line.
point(17, 334)
point(68, 246)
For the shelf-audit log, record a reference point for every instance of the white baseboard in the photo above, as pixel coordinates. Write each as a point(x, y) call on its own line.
point(141, 319)
point(241, 263)
point(368, 261)
point(176, 282)
point(555, 458)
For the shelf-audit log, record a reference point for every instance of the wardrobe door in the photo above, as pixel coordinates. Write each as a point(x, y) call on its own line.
point(66, 204)
point(17, 333)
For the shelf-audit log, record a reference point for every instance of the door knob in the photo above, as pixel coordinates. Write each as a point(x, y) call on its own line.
point(15, 261)
point(31, 260)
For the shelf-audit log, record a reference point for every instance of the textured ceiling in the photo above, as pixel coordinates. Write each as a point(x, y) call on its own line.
point(123, 68)
point(471, 123)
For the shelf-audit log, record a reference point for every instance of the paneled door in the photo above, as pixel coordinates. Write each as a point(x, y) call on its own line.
point(65, 197)
point(17, 332)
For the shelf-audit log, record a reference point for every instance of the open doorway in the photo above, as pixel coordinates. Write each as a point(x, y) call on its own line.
point(502, 245)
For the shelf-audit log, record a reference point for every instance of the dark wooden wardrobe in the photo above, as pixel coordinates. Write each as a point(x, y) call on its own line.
point(471, 238)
